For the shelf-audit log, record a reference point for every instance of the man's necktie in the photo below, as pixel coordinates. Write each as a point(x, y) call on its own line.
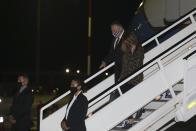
point(117, 41)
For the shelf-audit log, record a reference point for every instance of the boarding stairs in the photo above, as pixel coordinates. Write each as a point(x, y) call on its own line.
point(169, 68)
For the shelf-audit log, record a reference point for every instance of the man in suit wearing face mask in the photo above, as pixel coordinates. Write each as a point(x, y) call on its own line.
point(20, 110)
point(115, 53)
point(76, 112)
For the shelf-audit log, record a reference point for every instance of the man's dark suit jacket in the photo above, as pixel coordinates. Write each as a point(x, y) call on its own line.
point(77, 114)
point(115, 55)
point(20, 109)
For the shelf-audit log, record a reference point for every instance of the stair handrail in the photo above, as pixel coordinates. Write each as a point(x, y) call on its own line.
point(152, 62)
point(56, 99)
point(99, 72)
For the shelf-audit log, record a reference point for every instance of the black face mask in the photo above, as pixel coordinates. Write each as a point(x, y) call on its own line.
point(73, 90)
point(19, 84)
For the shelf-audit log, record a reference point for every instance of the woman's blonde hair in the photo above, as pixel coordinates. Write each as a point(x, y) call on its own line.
point(131, 39)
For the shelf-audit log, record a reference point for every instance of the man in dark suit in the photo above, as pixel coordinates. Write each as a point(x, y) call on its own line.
point(20, 110)
point(115, 53)
point(74, 119)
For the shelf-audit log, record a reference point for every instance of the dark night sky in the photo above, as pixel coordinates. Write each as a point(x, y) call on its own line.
point(64, 30)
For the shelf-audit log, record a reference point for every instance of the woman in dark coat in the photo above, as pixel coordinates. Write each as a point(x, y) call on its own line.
point(132, 60)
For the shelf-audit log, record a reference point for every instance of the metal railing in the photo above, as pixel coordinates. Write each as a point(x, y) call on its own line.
point(146, 67)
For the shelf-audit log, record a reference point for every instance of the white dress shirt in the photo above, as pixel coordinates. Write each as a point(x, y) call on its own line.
point(71, 103)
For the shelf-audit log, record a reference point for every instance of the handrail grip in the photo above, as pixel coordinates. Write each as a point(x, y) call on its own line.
point(99, 72)
point(54, 101)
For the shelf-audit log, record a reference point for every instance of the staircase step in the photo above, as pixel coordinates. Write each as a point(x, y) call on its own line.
point(181, 82)
point(178, 87)
point(177, 92)
point(155, 104)
point(162, 100)
point(146, 114)
point(118, 129)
